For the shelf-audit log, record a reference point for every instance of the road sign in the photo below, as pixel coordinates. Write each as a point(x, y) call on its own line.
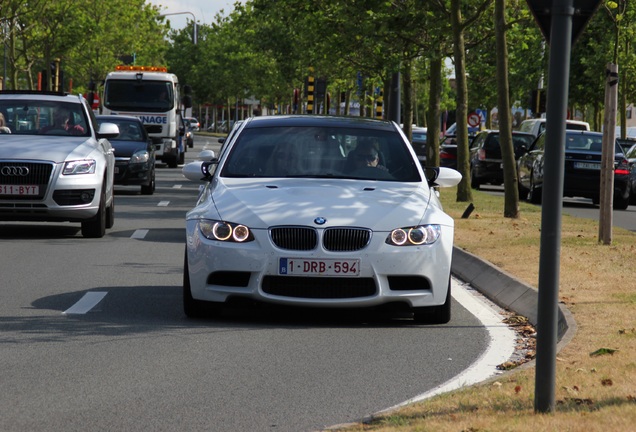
point(543, 10)
point(473, 119)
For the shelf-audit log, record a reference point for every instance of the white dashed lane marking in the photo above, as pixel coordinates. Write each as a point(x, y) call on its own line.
point(139, 234)
point(86, 303)
point(163, 203)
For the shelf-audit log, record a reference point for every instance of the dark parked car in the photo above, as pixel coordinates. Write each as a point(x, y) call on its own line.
point(630, 155)
point(582, 175)
point(485, 156)
point(448, 152)
point(134, 153)
point(418, 139)
point(626, 143)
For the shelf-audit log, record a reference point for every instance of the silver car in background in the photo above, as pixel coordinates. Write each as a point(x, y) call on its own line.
point(55, 163)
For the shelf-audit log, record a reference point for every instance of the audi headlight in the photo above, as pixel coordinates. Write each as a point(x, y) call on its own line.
point(141, 156)
point(79, 167)
point(225, 231)
point(414, 236)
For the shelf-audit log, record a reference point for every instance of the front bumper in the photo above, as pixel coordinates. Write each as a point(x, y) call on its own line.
point(415, 275)
point(71, 198)
point(132, 174)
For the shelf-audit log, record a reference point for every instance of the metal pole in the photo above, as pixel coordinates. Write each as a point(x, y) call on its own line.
point(395, 99)
point(195, 29)
point(550, 253)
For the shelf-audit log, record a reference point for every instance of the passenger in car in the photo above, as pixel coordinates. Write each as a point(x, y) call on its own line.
point(3, 127)
point(62, 121)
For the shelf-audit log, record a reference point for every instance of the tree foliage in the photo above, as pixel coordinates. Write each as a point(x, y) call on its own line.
point(88, 37)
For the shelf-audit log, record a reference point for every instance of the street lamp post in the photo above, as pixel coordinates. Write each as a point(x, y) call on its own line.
point(195, 30)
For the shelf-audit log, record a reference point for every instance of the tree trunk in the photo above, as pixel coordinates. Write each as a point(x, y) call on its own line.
point(433, 112)
point(511, 193)
point(407, 114)
point(464, 193)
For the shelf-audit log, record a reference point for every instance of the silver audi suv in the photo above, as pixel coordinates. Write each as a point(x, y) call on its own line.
point(56, 164)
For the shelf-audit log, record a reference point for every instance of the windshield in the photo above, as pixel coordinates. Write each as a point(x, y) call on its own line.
point(44, 117)
point(129, 130)
point(145, 95)
point(318, 152)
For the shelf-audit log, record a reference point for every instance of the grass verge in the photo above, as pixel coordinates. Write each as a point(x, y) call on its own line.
point(596, 372)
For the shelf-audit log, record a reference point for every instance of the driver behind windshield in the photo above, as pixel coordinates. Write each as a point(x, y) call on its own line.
point(62, 121)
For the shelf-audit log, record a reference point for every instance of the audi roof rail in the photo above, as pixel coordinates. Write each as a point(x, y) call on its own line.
point(34, 92)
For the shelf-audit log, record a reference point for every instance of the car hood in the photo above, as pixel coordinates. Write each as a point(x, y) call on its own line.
point(371, 204)
point(50, 148)
point(127, 148)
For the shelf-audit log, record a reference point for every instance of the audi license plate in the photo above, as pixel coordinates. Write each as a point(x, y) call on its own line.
point(587, 165)
point(19, 190)
point(318, 267)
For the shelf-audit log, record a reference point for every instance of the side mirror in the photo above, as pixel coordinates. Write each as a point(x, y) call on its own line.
point(108, 130)
point(206, 155)
point(199, 171)
point(442, 176)
point(187, 101)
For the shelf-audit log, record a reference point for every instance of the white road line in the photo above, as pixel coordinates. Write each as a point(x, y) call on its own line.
point(500, 348)
point(139, 234)
point(163, 203)
point(177, 186)
point(86, 303)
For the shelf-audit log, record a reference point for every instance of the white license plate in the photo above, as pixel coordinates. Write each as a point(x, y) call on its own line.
point(318, 267)
point(587, 165)
point(19, 190)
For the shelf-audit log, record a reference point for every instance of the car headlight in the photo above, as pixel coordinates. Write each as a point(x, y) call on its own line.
point(225, 231)
point(141, 156)
point(79, 167)
point(414, 236)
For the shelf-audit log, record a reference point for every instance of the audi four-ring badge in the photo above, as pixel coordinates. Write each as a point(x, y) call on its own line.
point(56, 164)
point(318, 211)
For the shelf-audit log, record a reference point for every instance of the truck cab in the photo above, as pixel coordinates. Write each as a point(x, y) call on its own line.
point(153, 95)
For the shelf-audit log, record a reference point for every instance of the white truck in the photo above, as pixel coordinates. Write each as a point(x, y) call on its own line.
point(153, 95)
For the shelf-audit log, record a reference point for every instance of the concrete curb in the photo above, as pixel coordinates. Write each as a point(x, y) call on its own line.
point(507, 291)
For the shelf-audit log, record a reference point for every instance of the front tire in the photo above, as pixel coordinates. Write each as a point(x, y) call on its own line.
point(110, 214)
point(149, 189)
point(474, 181)
point(435, 314)
point(621, 203)
point(95, 227)
point(534, 195)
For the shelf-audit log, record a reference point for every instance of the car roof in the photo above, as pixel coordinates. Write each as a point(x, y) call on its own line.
point(118, 117)
point(42, 95)
point(514, 132)
point(318, 121)
point(581, 132)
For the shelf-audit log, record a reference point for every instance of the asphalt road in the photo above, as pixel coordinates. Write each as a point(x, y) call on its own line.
point(583, 207)
point(133, 362)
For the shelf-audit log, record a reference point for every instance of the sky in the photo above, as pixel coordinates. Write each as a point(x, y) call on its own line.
point(203, 10)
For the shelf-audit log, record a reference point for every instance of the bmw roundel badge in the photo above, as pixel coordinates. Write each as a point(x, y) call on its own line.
point(320, 220)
